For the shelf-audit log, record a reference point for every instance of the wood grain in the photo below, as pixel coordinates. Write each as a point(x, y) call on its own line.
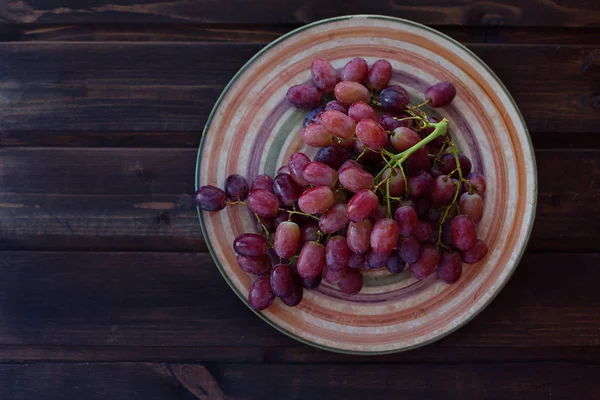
point(439, 12)
point(171, 87)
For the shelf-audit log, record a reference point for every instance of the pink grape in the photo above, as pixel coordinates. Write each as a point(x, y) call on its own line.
point(236, 188)
point(286, 189)
point(419, 160)
point(254, 265)
point(337, 106)
point(407, 220)
point(404, 138)
point(475, 253)
point(334, 219)
point(390, 121)
point(297, 293)
point(409, 249)
point(450, 268)
point(362, 205)
point(442, 191)
point(384, 236)
point(379, 75)
point(313, 116)
point(333, 276)
point(448, 164)
point(250, 245)
point(394, 98)
point(210, 198)
point(397, 182)
point(371, 134)
point(318, 173)
point(316, 135)
point(264, 182)
point(338, 124)
point(440, 94)
point(337, 253)
point(316, 200)
point(296, 164)
point(261, 295)
point(356, 179)
point(355, 70)
point(309, 233)
point(263, 203)
point(478, 183)
point(349, 92)
point(471, 204)
point(334, 156)
point(348, 164)
point(312, 283)
point(287, 239)
point(361, 110)
point(395, 264)
point(463, 232)
point(351, 283)
point(359, 236)
point(356, 260)
point(419, 183)
point(282, 280)
point(423, 231)
point(376, 260)
point(304, 96)
point(426, 263)
point(323, 75)
point(311, 260)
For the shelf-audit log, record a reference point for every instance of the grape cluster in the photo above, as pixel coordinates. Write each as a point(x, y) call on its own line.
point(387, 188)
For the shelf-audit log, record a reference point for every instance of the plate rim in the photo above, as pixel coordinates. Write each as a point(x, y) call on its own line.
point(435, 32)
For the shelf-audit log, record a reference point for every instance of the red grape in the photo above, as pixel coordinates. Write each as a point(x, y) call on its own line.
point(348, 164)
point(323, 75)
point(423, 231)
point(356, 260)
point(394, 98)
point(313, 116)
point(397, 183)
point(337, 253)
point(362, 205)
point(390, 121)
point(376, 260)
point(349, 92)
point(261, 295)
point(380, 213)
point(316, 200)
point(250, 245)
point(422, 205)
point(334, 219)
point(347, 144)
point(472, 205)
point(282, 280)
point(355, 70)
point(404, 138)
point(371, 134)
point(318, 173)
point(337, 106)
point(338, 123)
point(283, 170)
point(447, 233)
point(419, 183)
point(264, 182)
point(379, 75)
point(478, 183)
point(463, 232)
point(287, 239)
point(263, 203)
point(450, 268)
point(296, 296)
point(442, 190)
point(316, 135)
point(333, 276)
point(296, 164)
point(352, 282)
point(308, 233)
point(407, 220)
point(359, 236)
point(384, 236)
point(440, 94)
point(236, 188)
point(304, 96)
point(448, 164)
point(395, 264)
point(361, 110)
point(286, 189)
point(210, 198)
point(409, 249)
point(311, 260)
point(254, 265)
point(312, 283)
point(355, 179)
point(426, 263)
point(339, 196)
point(334, 156)
point(419, 160)
point(475, 253)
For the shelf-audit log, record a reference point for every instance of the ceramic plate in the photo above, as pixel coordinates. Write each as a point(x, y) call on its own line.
point(253, 129)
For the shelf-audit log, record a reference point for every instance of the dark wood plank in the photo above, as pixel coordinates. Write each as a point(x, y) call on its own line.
point(174, 299)
point(497, 12)
point(141, 199)
point(556, 381)
point(171, 87)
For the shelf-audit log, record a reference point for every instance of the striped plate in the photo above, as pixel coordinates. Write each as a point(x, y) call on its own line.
point(252, 129)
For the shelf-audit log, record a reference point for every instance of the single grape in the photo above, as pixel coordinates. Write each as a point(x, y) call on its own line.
point(475, 253)
point(284, 169)
point(376, 260)
point(362, 205)
point(419, 160)
point(263, 203)
point(423, 231)
point(448, 164)
point(254, 265)
point(337, 253)
point(422, 205)
point(409, 249)
point(450, 268)
point(261, 295)
point(371, 134)
point(318, 173)
point(313, 116)
point(351, 283)
point(440, 94)
point(210, 198)
point(407, 203)
point(236, 188)
point(435, 171)
point(397, 183)
point(348, 164)
point(286, 189)
point(282, 280)
point(426, 263)
point(379, 75)
point(359, 236)
point(323, 75)
point(334, 156)
point(287, 239)
point(264, 182)
point(334, 219)
point(471, 204)
point(361, 110)
point(463, 232)
point(312, 283)
point(304, 96)
point(296, 164)
point(407, 220)
point(442, 191)
point(384, 236)
point(356, 260)
point(356, 179)
point(297, 292)
point(250, 245)
point(316, 200)
point(478, 183)
point(355, 70)
point(309, 233)
point(404, 138)
point(338, 124)
point(333, 276)
point(337, 106)
point(316, 135)
point(395, 264)
point(311, 260)
point(394, 98)
point(349, 92)
point(391, 122)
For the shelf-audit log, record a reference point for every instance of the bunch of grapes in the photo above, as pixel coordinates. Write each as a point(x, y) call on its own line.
point(387, 188)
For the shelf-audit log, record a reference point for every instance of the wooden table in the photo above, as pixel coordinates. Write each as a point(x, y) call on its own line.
point(106, 289)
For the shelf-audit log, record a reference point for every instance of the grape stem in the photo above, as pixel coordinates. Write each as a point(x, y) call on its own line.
point(299, 213)
point(262, 225)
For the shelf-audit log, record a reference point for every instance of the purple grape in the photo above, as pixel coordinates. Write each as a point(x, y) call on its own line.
point(250, 245)
point(264, 182)
point(210, 198)
point(336, 106)
point(236, 188)
point(355, 70)
point(440, 94)
point(312, 283)
point(282, 280)
point(334, 156)
point(261, 295)
point(395, 264)
point(394, 98)
point(312, 117)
